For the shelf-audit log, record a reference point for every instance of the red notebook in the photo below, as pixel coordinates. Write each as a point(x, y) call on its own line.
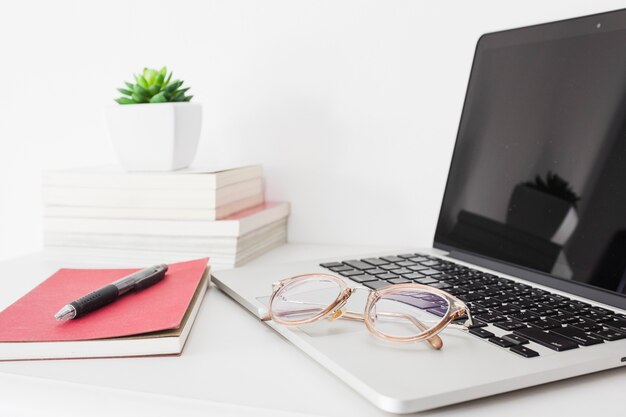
point(161, 307)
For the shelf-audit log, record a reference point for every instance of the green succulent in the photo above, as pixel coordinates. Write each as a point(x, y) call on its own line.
point(556, 186)
point(153, 86)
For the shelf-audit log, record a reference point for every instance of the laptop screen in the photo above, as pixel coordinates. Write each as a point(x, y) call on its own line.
point(538, 175)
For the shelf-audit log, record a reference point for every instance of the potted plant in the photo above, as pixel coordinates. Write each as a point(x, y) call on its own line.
point(544, 208)
point(154, 127)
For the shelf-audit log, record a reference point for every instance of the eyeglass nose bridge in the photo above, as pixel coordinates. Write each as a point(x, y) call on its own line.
point(337, 313)
point(340, 308)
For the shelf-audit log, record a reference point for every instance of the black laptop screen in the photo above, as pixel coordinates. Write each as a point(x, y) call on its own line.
point(538, 176)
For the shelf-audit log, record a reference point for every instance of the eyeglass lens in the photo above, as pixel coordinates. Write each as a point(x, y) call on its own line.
point(408, 313)
point(304, 299)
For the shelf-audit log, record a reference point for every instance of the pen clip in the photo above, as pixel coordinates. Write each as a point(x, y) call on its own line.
point(152, 279)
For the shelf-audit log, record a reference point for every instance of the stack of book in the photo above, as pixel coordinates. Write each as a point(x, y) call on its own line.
point(105, 214)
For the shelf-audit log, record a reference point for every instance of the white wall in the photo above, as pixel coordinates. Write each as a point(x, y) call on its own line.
point(352, 106)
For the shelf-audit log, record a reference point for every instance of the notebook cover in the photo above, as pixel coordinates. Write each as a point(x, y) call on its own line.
point(159, 307)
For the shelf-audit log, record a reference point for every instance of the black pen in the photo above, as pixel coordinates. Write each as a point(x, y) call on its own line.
point(108, 294)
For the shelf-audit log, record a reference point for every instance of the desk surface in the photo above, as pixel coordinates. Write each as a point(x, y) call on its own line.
point(235, 365)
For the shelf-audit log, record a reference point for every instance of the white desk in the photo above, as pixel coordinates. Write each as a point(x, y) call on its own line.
point(234, 365)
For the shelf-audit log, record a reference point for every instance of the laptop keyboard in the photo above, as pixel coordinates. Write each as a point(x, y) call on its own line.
point(529, 315)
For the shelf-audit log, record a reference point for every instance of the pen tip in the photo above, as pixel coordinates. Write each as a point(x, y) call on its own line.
point(68, 312)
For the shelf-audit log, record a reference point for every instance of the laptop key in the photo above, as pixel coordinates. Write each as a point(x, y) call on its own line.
point(414, 275)
point(472, 287)
point(492, 294)
point(418, 259)
point(543, 310)
point(330, 264)
point(430, 272)
point(363, 278)
point(350, 272)
point(537, 298)
point(375, 261)
point(501, 342)
point(508, 299)
point(389, 267)
point(588, 325)
point(599, 319)
point(517, 340)
point(439, 310)
point(478, 310)
point(417, 268)
point(425, 281)
point(549, 340)
point(603, 310)
point(490, 302)
point(545, 324)
point(340, 268)
point(523, 304)
point(490, 317)
point(356, 264)
point(558, 297)
point(565, 318)
point(387, 275)
point(524, 351)
point(509, 325)
point(507, 309)
point(456, 291)
point(469, 297)
point(477, 324)
point(573, 309)
point(399, 281)
point(376, 271)
point(525, 316)
point(578, 336)
point(618, 324)
point(441, 285)
point(481, 333)
point(609, 335)
point(596, 316)
point(392, 259)
point(376, 285)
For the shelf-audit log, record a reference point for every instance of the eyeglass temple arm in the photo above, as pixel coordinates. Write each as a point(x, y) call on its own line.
point(434, 341)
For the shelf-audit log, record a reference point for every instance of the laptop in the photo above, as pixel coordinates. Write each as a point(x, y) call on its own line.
point(531, 234)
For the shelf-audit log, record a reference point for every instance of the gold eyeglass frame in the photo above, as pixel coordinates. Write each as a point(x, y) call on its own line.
point(335, 310)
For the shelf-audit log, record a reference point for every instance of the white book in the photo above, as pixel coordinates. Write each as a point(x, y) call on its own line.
point(236, 225)
point(150, 198)
point(116, 177)
point(263, 243)
point(209, 244)
point(155, 213)
point(134, 257)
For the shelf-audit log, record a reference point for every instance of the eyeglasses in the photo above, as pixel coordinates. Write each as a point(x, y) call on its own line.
point(397, 313)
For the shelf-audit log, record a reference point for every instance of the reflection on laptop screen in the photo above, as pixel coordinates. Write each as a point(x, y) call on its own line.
point(538, 177)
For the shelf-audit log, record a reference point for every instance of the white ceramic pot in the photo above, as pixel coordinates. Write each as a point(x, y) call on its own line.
point(155, 136)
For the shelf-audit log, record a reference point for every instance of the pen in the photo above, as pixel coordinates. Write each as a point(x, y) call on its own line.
point(106, 295)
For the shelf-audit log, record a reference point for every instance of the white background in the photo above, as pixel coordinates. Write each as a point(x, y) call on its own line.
point(352, 106)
